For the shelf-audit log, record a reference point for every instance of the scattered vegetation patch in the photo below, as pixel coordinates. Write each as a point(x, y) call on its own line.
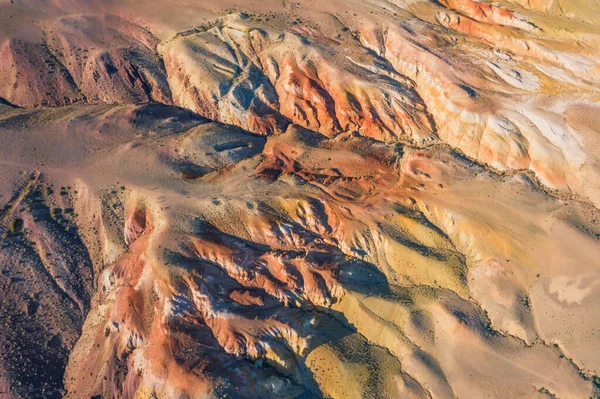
point(545, 391)
point(16, 225)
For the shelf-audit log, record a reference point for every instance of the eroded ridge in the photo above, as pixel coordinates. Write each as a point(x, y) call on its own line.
point(299, 200)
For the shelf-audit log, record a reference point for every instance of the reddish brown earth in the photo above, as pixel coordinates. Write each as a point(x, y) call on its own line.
point(299, 199)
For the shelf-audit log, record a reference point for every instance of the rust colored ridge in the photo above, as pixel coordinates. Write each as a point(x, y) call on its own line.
point(135, 225)
point(268, 82)
point(127, 322)
point(406, 82)
point(500, 131)
point(139, 349)
point(363, 168)
point(236, 283)
point(488, 13)
point(271, 288)
point(475, 75)
point(341, 199)
point(289, 277)
point(246, 297)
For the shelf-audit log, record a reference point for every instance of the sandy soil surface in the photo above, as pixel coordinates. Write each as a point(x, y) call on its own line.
point(294, 199)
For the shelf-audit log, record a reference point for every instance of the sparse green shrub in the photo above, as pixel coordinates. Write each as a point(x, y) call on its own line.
point(16, 225)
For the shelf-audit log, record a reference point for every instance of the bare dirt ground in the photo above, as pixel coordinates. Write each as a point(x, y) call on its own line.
point(299, 199)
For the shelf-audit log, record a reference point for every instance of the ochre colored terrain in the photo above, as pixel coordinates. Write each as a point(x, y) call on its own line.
point(297, 199)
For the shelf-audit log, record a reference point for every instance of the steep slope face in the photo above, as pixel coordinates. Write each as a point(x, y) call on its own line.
point(30, 78)
point(308, 265)
point(82, 58)
point(505, 108)
point(490, 80)
point(239, 71)
point(109, 58)
point(482, 78)
point(46, 281)
point(345, 199)
point(57, 234)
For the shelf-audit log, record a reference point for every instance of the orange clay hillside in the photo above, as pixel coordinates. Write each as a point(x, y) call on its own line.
point(299, 199)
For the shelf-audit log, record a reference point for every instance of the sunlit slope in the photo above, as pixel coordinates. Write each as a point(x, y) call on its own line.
point(336, 199)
